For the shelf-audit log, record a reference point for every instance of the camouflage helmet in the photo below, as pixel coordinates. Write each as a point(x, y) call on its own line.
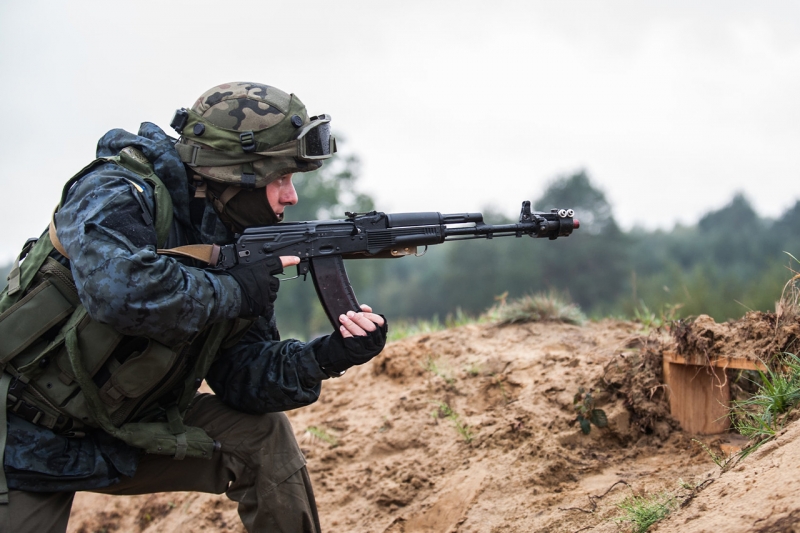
point(248, 134)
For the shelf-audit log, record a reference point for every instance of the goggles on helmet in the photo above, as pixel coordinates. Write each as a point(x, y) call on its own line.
point(315, 142)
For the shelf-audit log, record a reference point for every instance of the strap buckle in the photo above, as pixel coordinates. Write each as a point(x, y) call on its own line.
point(179, 120)
point(14, 277)
point(248, 141)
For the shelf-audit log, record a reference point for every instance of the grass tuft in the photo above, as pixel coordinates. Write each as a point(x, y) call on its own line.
point(540, 307)
point(761, 416)
point(649, 320)
point(644, 511)
point(445, 411)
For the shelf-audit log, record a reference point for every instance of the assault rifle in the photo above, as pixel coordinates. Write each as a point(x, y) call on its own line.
point(322, 245)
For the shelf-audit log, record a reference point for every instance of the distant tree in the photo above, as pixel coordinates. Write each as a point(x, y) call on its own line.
point(576, 191)
point(728, 263)
point(786, 231)
point(790, 220)
point(737, 214)
point(592, 265)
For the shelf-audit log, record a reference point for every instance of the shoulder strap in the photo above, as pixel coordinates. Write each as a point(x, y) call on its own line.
point(133, 160)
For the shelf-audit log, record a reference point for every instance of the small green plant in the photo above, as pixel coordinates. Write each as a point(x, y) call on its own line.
point(437, 368)
point(761, 416)
point(641, 512)
point(720, 460)
point(650, 320)
point(645, 316)
point(473, 370)
point(445, 411)
point(549, 307)
point(323, 435)
point(583, 402)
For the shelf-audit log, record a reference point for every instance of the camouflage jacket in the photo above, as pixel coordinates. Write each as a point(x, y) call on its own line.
point(124, 283)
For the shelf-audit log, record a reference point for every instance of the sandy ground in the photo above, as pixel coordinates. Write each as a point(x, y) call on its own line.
point(387, 456)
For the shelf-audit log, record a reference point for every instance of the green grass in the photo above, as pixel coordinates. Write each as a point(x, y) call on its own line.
point(641, 512)
point(650, 320)
point(720, 460)
point(445, 411)
point(323, 435)
point(540, 307)
point(437, 368)
point(473, 369)
point(401, 329)
point(761, 416)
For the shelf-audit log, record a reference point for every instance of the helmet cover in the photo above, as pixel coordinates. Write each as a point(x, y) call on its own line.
point(236, 110)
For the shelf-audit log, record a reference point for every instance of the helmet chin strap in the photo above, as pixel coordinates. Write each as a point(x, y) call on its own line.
point(200, 189)
point(221, 202)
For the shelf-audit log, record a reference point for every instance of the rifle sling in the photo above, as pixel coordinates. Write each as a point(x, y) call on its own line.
point(53, 237)
point(206, 253)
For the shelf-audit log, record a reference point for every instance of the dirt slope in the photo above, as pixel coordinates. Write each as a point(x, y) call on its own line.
point(760, 494)
point(388, 456)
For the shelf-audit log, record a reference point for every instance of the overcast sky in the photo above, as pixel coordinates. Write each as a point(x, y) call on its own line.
point(672, 107)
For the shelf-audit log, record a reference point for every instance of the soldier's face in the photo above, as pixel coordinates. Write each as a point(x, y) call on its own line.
point(281, 193)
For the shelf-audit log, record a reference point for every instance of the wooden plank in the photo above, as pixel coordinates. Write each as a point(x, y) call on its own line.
point(735, 363)
point(699, 392)
point(699, 397)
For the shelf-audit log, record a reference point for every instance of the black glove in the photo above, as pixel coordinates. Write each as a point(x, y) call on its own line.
point(259, 286)
point(335, 354)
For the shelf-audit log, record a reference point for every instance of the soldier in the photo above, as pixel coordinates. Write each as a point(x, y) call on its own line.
point(105, 337)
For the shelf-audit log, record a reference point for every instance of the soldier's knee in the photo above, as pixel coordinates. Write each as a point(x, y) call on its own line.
point(274, 431)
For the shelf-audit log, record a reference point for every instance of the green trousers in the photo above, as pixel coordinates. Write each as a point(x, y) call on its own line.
point(260, 466)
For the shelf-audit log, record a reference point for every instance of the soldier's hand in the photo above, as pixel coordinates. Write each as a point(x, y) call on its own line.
point(360, 324)
point(361, 336)
point(259, 284)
